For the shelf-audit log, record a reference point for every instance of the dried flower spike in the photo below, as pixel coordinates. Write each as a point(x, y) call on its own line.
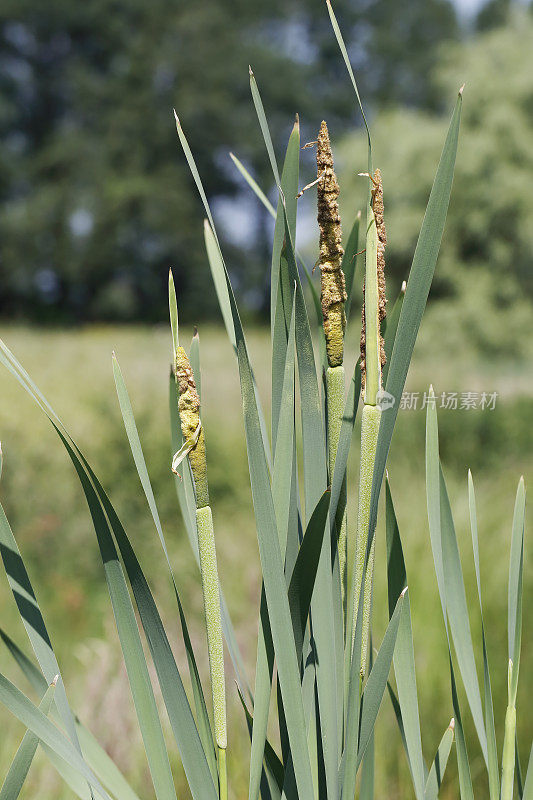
point(333, 293)
point(379, 217)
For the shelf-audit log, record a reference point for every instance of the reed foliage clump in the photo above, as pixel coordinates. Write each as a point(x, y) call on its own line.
point(315, 651)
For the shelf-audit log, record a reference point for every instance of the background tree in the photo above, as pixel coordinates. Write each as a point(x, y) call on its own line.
point(95, 201)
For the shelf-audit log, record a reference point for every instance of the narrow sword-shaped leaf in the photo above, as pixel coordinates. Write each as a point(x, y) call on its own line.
point(404, 659)
point(349, 263)
point(528, 785)
point(492, 751)
point(453, 597)
point(281, 495)
point(392, 320)
point(94, 754)
point(516, 566)
point(20, 766)
point(37, 722)
point(438, 767)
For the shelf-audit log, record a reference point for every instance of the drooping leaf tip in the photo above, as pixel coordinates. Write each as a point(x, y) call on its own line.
point(250, 70)
point(404, 287)
point(461, 90)
point(451, 726)
point(178, 123)
point(404, 592)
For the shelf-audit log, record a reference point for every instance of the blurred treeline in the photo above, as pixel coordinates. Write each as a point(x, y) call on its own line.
point(95, 198)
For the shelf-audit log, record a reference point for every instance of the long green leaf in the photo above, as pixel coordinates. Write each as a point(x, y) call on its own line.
point(528, 785)
point(37, 722)
point(20, 766)
point(492, 751)
point(438, 767)
point(516, 566)
point(377, 680)
point(452, 590)
point(350, 260)
point(93, 753)
point(281, 495)
point(404, 659)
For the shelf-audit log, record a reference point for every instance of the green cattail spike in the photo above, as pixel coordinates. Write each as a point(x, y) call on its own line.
point(333, 289)
point(194, 447)
point(189, 411)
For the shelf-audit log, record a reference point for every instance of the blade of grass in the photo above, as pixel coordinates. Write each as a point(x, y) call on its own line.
point(404, 658)
point(392, 320)
point(453, 597)
point(94, 754)
point(350, 261)
point(37, 722)
point(377, 680)
point(281, 495)
point(528, 785)
point(438, 767)
point(20, 766)
point(492, 750)
point(516, 565)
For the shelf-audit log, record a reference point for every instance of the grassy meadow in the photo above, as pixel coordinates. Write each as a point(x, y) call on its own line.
point(50, 520)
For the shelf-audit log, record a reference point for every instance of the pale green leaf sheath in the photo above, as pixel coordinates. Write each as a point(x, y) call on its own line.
point(332, 297)
point(372, 360)
point(193, 435)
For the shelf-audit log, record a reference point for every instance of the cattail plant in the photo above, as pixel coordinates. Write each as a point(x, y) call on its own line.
point(194, 449)
point(332, 299)
point(313, 623)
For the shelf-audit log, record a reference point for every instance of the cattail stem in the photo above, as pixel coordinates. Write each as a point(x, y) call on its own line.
point(508, 755)
point(223, 773)
point(372, 360)
point(335, 384)
point(370, 420)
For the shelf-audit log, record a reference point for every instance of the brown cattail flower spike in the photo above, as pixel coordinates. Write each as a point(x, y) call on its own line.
point(333, 293)
point(379, 217)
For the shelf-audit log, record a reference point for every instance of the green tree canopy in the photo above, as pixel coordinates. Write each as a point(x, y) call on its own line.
point(95, 200)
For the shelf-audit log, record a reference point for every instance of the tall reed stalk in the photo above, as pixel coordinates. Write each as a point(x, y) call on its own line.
point(332, 297)
point(372, 360)
point(194, 449)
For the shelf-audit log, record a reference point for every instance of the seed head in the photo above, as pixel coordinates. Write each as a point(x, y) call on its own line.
point(333, 288)
point(189, 412)
point(379, 216)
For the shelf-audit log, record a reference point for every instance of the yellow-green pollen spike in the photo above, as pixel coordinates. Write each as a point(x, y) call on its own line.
point(191, 428)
